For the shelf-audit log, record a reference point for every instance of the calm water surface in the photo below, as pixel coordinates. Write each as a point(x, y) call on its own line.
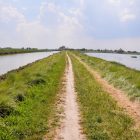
point(125, 59)
point(14, 61)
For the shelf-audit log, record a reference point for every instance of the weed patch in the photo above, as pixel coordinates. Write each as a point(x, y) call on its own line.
point(5, 110)
point(37, 81)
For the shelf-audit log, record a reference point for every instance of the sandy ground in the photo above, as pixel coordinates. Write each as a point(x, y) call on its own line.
point(70, 128)
point(131, 107)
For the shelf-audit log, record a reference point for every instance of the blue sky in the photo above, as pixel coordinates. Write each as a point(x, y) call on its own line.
point(96, 24)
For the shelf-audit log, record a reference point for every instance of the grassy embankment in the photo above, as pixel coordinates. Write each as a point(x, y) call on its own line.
point(102, 119)
point(27, 98)
point(120, 76)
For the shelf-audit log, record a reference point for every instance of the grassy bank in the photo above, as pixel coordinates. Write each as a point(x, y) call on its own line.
point(6, 51)
point(102, 119)
point(27, 98)
point(120, 76)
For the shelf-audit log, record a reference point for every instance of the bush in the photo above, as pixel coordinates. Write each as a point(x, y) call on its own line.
point(20, 97)
point(7, 106)
point(36, 82)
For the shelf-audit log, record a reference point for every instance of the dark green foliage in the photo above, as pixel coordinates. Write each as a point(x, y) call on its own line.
point(5, 110)
point(37, 81)
point(20, 97)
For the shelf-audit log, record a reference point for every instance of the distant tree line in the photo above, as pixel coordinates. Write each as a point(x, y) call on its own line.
point(9, 50)
point(120, 51)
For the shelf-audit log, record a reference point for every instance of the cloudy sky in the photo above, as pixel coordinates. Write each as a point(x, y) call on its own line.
point(95, 24)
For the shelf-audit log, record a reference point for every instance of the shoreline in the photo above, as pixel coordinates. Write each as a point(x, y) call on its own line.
point(12, 53)
point(4, 76)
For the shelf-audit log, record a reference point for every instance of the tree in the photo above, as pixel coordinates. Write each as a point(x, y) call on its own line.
point(62, 48)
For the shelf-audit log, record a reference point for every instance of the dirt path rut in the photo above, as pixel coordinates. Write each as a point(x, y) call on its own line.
point(132, 107)
point(70, 129)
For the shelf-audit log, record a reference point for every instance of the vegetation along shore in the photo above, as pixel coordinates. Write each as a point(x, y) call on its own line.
point(8, 50)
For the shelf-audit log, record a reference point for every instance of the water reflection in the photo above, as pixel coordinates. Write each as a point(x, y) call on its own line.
point(14, 61)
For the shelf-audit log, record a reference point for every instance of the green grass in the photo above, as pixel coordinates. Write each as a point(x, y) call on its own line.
point(102, 119)
point(120, 76)
point(27, 98)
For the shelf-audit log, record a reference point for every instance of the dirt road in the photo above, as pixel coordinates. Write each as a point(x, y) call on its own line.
point(132, 107)
point(70, 128)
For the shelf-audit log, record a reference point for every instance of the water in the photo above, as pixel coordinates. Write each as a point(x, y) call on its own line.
point(125, 59)
point(14, 61)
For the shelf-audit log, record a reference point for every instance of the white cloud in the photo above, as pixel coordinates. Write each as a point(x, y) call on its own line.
point(47, 7)
point(131, 2)
point(126, 15)
point(115, 2)
point(82, 3)
point(124, 9)
point(65, 32)
point(122, 2)
point(68, 20)
point(68, 28)
point(52, 7)
point(34, 34)
point(8, 13)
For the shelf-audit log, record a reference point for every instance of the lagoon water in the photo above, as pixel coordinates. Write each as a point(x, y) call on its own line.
point(125, 59)
point(14, 61)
